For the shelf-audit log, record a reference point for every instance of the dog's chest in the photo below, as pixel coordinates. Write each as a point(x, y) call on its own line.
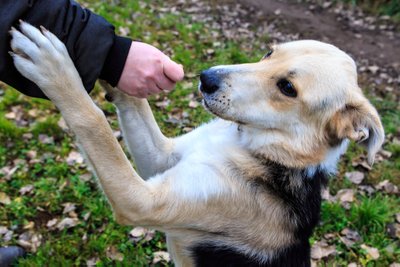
point(202, 171)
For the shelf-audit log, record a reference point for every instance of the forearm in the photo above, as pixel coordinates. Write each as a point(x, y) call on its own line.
point(90, 40)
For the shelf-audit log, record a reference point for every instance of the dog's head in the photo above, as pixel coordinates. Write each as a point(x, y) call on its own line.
point(300, 103)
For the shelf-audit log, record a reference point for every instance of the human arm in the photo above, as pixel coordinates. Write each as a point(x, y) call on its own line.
point(137, 68)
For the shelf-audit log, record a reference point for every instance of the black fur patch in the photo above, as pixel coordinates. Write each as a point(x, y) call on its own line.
point(301, 194)
point(209, 255)
point(301, 198)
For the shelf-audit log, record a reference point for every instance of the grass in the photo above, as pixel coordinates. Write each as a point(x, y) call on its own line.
point(56, 183)
point(381, 7)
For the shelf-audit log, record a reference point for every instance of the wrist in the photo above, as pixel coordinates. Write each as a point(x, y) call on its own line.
point(115, 61)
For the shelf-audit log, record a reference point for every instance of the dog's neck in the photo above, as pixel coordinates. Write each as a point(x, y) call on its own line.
point(291, 153)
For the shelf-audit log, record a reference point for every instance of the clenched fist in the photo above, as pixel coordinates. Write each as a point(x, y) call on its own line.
point(148, 71)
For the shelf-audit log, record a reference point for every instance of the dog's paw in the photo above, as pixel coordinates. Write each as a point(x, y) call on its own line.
point(42, 58)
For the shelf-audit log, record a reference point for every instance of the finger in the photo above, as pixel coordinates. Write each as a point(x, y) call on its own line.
point(172, 70)
point(164, 83)
point(22, 45)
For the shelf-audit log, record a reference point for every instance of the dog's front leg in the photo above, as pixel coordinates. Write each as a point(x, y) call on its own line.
point(152, 151)
point(42, 58)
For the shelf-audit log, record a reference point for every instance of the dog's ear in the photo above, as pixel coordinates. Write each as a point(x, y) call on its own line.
point(358, 121)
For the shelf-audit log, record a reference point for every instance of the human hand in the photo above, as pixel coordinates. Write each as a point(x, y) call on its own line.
point(148, 71)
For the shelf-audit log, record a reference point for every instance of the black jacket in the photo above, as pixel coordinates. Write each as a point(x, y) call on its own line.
point(91, 42)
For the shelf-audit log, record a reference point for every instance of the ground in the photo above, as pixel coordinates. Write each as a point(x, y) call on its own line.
point(52, 206)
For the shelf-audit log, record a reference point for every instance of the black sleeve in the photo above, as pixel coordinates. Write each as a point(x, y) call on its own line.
point(91, 42)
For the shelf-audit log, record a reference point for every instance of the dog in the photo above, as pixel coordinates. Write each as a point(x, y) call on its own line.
point(241, 190)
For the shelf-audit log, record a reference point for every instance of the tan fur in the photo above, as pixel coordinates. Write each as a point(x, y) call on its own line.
point(230, 208)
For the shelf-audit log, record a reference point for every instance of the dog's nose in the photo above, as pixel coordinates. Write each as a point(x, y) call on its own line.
point(210, 81)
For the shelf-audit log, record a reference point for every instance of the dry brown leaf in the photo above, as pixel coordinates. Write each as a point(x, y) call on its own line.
point(371, 251)
point(50, 224)
point(113, 253)
point(68, 207)
point(350, 237)
point(86, 216)
point(92, 262)
point(8, 171)
point(393, 230)
point(322, 250)
point(355, 177)
point(193, 104)
point(31, 154)
point(8, 236)
point(4, 198)
point(67, 223)
point(45, 139)
point(74, 157)
point(138, 232)
point(29, 225)
point(3, 230)
point(387, 187)
point(345, 195)
point(30, 241)
point(159, 256)
point(62, 124)
point(26, 189)
point(85, 177)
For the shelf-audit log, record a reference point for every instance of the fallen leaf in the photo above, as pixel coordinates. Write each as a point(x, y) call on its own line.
point(29, 225)
point(322, 250)
point(387, 187)
point(371, 251)
point(31, 154)
point(373, 69)
point(355, 177)
point(68, 207)
point(26, 189)
point(193, 104)
point(3, 230)
point(45, 139)
point(8, 236)
point(62, 124)
point(30, 241)
point(67, 223)
point(92, 262)
point(113, 253)
point(4, 198)
point(350, 237)
point(326, 195)
point(86, 216)
point(8, 172)
point(138, 232)
point(85, 177)
point(345, 195)
point(393, 230)
point(369, 190)
point(50, 224)
point(394, 264)
point(159, 256)
point(74, 157)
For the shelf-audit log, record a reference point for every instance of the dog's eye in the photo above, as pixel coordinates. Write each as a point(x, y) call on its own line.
point(286, 88)
point(267, 54)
